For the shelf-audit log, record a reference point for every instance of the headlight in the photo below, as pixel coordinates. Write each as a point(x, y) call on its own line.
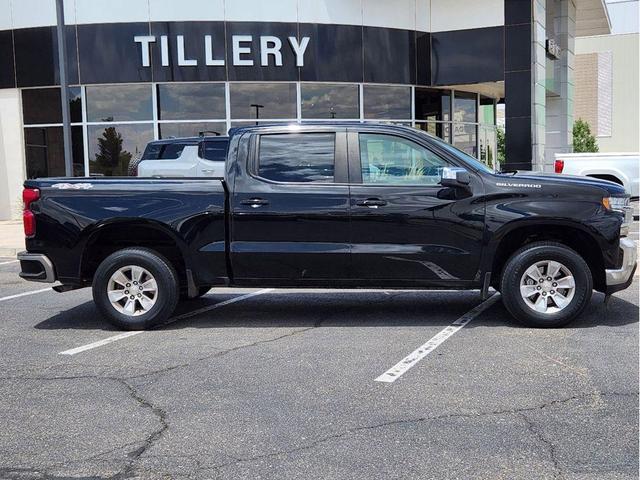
point(620, 204)
point(615, 203)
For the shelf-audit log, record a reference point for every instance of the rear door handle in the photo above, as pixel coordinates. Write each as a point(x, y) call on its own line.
point(255, 202)
point(372, 203)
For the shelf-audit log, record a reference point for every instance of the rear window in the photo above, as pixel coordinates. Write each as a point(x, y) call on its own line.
point(297, 157)
point(163, 151)
point(215, 151)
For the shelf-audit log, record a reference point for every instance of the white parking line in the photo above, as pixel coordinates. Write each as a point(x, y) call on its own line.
point(121, 336)
point(414, 357)
point(18, 295)
point(7, 263)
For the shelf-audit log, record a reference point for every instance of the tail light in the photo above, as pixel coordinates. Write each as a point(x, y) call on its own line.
point(29, 195)
point(559, 166)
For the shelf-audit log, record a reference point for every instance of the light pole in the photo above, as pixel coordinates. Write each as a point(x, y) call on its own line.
point(64, 92)
point(257, 107)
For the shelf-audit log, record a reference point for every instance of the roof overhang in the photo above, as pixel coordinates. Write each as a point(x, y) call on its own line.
point(592, 18)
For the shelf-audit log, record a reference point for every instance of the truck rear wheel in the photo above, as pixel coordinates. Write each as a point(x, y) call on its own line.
point(135, 288)
point(546, 284)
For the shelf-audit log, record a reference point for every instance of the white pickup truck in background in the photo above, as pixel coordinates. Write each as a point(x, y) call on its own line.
point(622, 168)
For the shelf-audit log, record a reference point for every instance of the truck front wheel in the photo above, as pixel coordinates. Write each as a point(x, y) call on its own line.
point(135, 288)
point(546, 284)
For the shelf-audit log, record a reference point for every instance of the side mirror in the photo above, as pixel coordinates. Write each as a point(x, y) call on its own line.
point(455, 177)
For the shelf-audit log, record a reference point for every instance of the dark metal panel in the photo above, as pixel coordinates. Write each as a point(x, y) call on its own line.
point(194, 47)
point(467, 56)
point(334, 53)
point(109, 54)
point(288, 70)
point(7, 72)
point(389, 55)
point(36, 52)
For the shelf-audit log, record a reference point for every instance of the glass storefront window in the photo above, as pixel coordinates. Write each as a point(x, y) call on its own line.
point(387, 102)
point(432, 105)
point(320, 100)
point(112, 147)
point(487, 111)
point(465, 107)
point(116, 103)
point(191, 129)
point(44, 152)
point(439, 129)
point(263, 100)
point(197, 101)
point(43, 105)
point(465, 138)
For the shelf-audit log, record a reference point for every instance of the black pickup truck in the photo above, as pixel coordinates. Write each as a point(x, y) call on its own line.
point(337, 205)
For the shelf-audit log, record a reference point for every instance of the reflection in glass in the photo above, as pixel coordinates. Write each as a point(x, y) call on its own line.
point(111, 147)
point(44, 150)
point(465, 107)
point(186, 101)
point(191, 129)
point(464, 138)
point(297, 157)
point(113, 103)
point(263, 100)
point(432, 104)
point(386, 102)
point(322, 100)
point(438, 129)
point(391, 160)
point(42, 105)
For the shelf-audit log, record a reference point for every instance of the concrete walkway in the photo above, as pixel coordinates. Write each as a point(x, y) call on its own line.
point(11, 238)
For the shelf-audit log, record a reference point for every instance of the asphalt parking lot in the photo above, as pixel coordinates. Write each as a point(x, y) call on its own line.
point(286, 384)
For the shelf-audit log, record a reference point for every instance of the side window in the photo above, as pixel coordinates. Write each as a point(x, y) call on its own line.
point(171, 151)
point(390, 160)
point(297, 157)
point(214, 151)
point(152, 152)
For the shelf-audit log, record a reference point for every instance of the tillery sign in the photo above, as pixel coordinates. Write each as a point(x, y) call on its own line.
point(241, 47)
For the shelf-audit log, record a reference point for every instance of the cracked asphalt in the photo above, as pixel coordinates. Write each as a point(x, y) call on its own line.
point(281, 386)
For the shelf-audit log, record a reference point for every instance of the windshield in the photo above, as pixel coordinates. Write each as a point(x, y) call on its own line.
point(466, 158)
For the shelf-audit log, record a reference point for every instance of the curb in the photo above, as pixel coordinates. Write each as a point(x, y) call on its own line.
point(9, 252)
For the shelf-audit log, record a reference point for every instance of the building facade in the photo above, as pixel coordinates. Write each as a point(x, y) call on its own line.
point(147, 69)
point(607, 94)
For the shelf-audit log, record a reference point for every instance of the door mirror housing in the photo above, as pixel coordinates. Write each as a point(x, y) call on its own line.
point(455, 177)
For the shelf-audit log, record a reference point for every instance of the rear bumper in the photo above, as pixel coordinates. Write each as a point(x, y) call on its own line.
point(620, 278)
point(36, 267)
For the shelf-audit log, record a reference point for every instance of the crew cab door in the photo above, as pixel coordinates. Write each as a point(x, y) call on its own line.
point(406, 229)
point(290, 208)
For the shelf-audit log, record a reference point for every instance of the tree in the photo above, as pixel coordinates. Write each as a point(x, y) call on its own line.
point(501, 148)
point(111, 157)
point(583, 141)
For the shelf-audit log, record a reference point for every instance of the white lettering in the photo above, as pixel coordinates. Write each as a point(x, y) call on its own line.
point(236, 40)
point(182, 61)
point(299, 49)
point(270, 46)
point(208, 53)
point(164, 50)
point(145, 41)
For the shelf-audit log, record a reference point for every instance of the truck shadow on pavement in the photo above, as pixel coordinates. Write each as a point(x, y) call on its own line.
point(344, 309)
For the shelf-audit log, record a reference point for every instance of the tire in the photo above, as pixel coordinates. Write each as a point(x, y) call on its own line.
point(145, 265)
point(559, 306)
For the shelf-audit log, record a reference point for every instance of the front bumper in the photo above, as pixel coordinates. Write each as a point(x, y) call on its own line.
point(620, 278)
point(36, 267)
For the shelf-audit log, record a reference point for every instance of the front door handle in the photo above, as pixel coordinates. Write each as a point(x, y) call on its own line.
point(255, 202)
point(372, 203)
